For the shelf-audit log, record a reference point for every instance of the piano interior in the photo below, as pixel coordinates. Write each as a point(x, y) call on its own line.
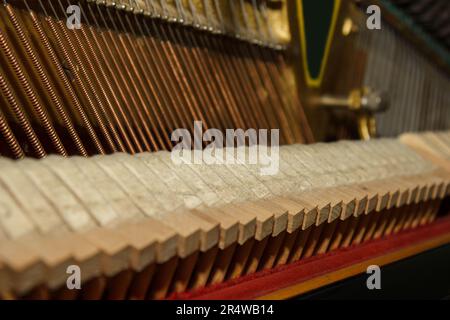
point(215, 149)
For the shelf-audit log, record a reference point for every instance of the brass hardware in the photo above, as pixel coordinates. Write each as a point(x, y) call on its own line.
point(364, 102)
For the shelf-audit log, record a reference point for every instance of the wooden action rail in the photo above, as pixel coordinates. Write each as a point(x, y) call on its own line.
point(294, 279)
point(141, 226)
